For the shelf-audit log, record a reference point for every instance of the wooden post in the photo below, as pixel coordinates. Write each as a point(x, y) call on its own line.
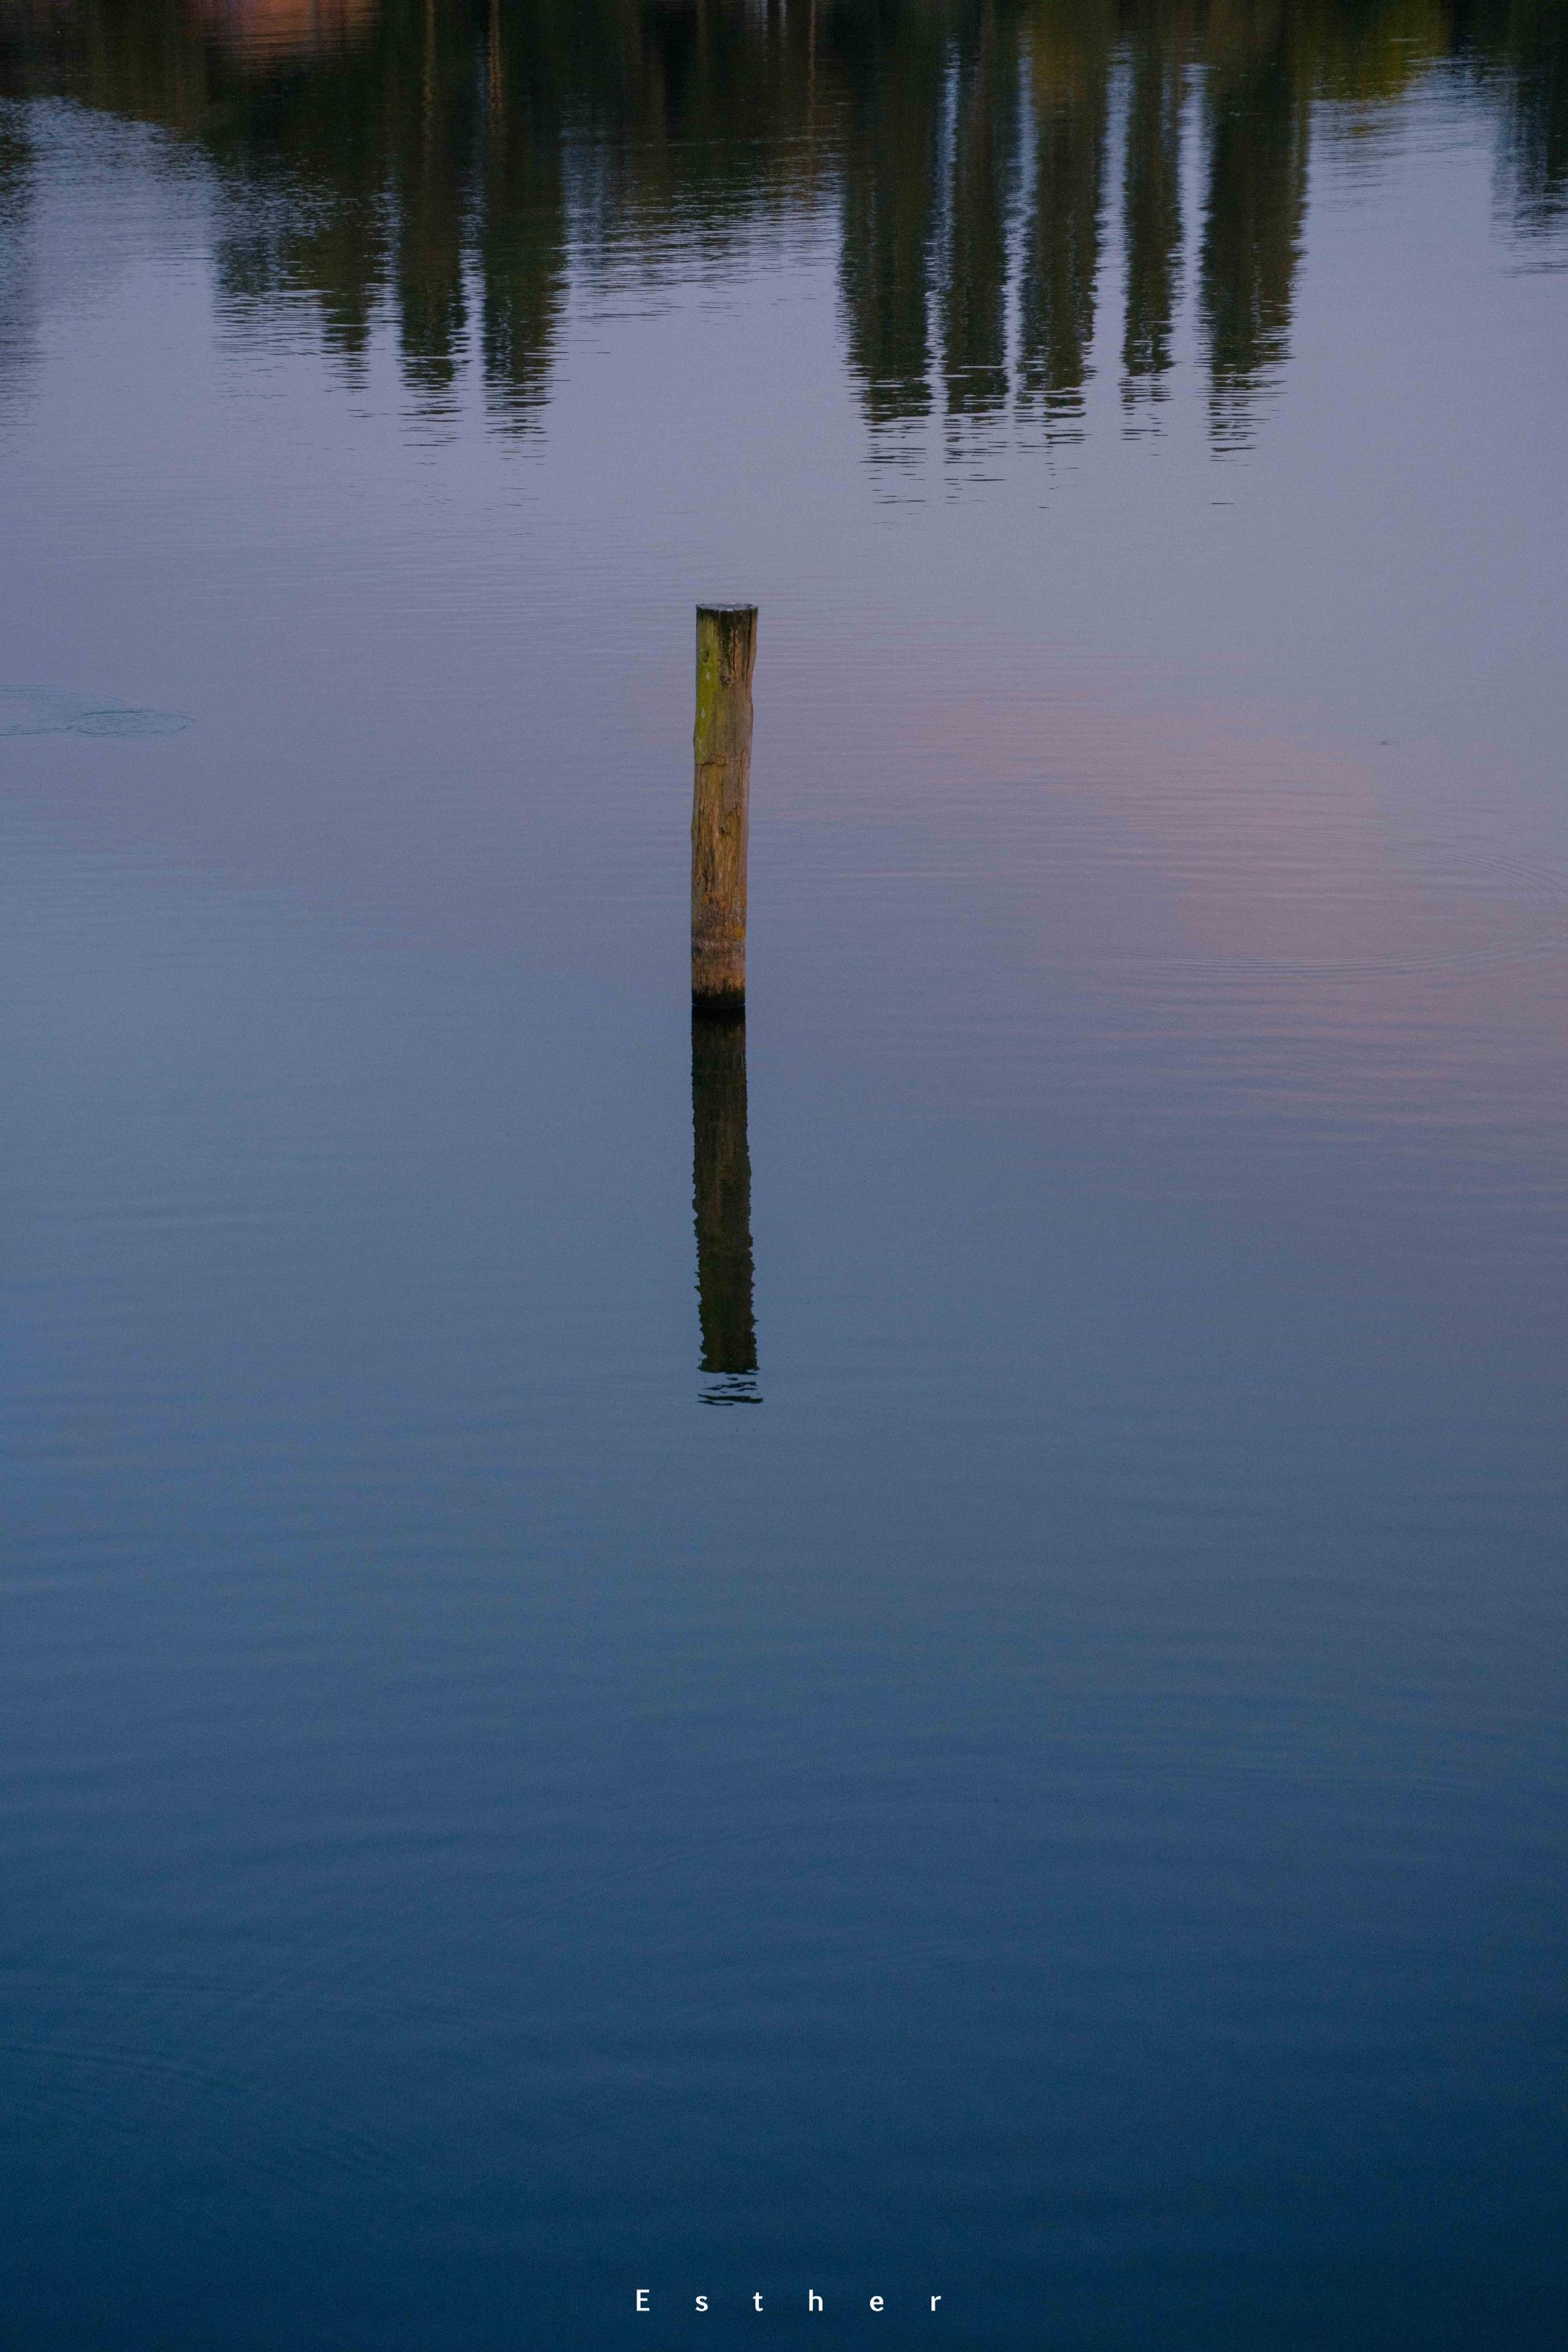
point(721, 1186)
point(722, 743)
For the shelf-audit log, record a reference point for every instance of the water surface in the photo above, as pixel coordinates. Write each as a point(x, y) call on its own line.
point(1058, 1803)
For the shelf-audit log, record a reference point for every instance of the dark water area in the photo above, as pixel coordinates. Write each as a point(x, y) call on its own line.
point(1055, 1797)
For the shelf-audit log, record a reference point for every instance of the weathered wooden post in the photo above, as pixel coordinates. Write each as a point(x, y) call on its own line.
point(721, 1186)
point(722, 743)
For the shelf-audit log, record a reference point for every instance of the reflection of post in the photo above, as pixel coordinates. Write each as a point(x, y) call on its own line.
point(722, 1184)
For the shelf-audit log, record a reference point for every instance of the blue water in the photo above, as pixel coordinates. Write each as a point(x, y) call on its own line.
point(1060, 1804)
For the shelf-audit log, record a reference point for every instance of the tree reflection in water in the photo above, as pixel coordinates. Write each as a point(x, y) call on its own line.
point(449, 163)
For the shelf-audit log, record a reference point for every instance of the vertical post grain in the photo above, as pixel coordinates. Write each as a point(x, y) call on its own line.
point(721, 746)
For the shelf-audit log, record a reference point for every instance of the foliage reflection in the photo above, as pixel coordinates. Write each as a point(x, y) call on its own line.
point(447, 164)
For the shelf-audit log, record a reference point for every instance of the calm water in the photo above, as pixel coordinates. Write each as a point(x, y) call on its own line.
point(1056, 1796)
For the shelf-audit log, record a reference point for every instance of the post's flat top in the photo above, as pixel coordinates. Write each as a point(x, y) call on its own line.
point(726, 608)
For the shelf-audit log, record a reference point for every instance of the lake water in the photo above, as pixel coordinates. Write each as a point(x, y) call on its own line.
point(1011, 1748)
